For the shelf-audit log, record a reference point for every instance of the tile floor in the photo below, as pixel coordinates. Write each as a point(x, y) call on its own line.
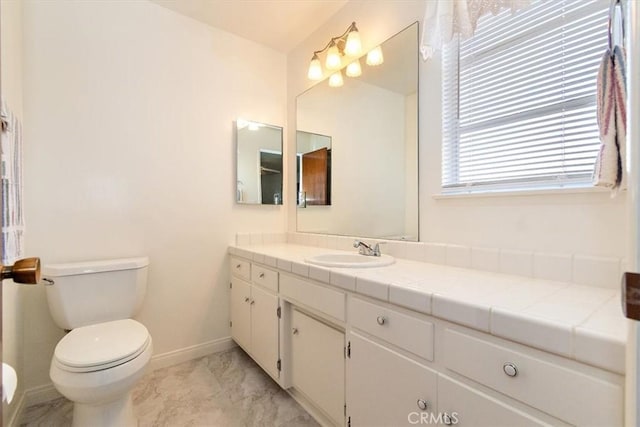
point(222, 389)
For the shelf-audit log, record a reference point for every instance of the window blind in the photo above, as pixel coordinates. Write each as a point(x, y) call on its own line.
point(519, 96)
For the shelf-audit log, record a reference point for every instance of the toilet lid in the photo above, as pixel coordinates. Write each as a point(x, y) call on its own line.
point(102, 345)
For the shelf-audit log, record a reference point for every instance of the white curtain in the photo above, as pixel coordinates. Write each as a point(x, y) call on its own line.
point(445, 18)
point(12, 211)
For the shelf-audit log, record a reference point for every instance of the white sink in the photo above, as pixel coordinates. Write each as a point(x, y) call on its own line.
point(350, 260)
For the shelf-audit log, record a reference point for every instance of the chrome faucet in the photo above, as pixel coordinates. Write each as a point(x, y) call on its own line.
point(365, 249)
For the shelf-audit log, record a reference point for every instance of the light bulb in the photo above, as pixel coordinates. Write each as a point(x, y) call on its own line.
point(333, 61)
point(354, 69)
point(336, 80)
point(353, 46)
point(375, 57)
point(315, 69)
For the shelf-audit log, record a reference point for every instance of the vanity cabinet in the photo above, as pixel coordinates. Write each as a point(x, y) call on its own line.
point(317, 364)
point(254, 318)
point(355, 361)
point(385, 388)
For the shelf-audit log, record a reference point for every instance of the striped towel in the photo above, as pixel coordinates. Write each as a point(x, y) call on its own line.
point(12, 212)
point(612, 121)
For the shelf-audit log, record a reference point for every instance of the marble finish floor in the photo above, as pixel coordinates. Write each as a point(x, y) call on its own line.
point(222, 389)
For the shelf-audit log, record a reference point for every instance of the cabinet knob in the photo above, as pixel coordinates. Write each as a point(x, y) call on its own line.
point(246, 299)
point(252, 302)
point(423, 404)
point(381, 320)
point(261, 276)
point(238, 265)
point(295, 331)
point(510, 369)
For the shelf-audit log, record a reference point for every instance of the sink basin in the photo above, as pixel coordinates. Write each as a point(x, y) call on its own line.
point(350, 260)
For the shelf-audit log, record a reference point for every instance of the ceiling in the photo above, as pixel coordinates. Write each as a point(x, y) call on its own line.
point(279, 24)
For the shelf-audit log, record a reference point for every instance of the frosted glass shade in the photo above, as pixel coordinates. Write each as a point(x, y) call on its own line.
point(336, 80)
point(375, 57)
point(333, 61)
point(353, 46)
point(354, 69)
point(315, 69)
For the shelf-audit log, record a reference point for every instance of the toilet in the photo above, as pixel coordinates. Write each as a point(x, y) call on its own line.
point(97, 364)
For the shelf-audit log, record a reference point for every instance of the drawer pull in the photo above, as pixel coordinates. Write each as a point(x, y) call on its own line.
point(261, 276)
point(295, 331)
point(238, 265)
point(381, 320)
point(423, 404)
point(510, 369)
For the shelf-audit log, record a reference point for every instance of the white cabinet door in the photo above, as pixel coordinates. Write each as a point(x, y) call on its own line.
point(241, 312)
point(317, 364)
point(385, 388)
point(469, 407)
point(264, 329)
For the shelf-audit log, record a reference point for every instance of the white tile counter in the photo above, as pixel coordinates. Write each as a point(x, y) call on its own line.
point(580, 322)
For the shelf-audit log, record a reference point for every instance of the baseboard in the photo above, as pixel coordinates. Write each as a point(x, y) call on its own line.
point(175, 357)
point(47, 392)
point(40, 394)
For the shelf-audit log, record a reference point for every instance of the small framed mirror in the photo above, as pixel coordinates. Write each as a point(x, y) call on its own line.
point(259, 163)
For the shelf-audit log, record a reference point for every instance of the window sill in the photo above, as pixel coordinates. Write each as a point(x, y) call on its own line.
point(524, 193)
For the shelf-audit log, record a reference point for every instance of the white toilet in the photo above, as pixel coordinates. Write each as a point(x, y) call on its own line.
point(97, 364)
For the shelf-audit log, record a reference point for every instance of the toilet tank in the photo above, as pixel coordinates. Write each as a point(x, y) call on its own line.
point(84, 293)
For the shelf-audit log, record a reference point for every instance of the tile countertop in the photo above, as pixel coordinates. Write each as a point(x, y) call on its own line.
point(584, 323)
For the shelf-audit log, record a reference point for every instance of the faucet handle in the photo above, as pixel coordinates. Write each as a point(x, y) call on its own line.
point(376, 248)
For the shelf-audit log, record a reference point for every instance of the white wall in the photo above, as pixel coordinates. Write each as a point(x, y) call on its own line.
point(129, 110)
point(12, 300)
point(592, 224)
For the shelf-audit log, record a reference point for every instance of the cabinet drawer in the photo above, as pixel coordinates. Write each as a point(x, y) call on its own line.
point(465, 406)
point(264, 277)
point(412, 334)
point(317, 297)
point(240, 268)
point(573, 396)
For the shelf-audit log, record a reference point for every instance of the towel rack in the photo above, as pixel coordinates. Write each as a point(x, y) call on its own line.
point(612, 21)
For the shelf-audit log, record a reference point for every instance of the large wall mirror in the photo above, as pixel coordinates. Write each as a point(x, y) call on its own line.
point(360, 143)
point(259, 166)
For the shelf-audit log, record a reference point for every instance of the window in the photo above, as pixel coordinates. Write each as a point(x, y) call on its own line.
point(519, 106)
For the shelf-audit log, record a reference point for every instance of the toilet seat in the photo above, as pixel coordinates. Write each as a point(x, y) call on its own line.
point(101, 346)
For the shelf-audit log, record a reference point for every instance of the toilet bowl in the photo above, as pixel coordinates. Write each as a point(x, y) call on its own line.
point(97, 364)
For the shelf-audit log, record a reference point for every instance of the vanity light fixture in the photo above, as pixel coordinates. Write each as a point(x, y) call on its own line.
point(347, 43)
